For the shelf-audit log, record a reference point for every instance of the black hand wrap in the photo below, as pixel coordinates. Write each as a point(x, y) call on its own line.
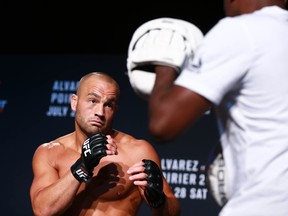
point(93, 149)
point(154, 190)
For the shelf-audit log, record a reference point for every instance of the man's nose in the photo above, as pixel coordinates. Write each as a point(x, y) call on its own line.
point(99, 110)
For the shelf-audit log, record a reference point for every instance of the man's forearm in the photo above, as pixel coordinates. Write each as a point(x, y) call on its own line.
point(57, 197)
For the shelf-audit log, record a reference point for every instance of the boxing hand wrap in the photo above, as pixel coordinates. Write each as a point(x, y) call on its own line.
point(154, 191)
point(93, 149)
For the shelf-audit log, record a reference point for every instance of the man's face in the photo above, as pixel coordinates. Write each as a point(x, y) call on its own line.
point(96, 106)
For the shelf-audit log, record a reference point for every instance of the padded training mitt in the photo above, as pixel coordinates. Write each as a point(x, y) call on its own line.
point(163, 41)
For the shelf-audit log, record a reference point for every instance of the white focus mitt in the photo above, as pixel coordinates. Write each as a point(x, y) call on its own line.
point(162, 41)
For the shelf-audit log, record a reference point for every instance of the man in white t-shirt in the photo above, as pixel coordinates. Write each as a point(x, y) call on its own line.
point(240, 69)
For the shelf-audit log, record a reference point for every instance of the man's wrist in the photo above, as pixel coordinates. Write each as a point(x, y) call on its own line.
point(156, 203)
point(80, 171)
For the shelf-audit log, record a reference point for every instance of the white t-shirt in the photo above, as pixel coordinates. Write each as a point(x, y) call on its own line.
point(242, 67)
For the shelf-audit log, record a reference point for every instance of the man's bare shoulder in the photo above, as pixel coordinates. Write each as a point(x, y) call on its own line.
point(55, 145)
point(50, 145)
point(139, 147)
point(127, 139)
point(57, 153)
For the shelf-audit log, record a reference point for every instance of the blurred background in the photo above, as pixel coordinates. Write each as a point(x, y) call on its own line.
point(44, 44)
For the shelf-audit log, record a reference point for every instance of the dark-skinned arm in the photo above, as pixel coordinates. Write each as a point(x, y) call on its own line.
point(172, 108)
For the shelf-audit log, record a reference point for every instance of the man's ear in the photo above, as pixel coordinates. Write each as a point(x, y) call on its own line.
point(73, 102)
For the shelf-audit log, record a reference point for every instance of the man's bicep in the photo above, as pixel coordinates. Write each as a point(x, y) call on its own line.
point(44, 173)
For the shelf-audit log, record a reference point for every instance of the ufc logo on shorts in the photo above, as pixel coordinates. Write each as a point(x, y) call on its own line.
point(86, 147)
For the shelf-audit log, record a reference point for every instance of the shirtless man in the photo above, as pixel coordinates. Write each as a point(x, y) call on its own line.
point(97, 170)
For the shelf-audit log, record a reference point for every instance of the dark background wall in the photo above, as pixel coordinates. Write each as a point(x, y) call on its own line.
point(47, 43)
point(83, 27)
